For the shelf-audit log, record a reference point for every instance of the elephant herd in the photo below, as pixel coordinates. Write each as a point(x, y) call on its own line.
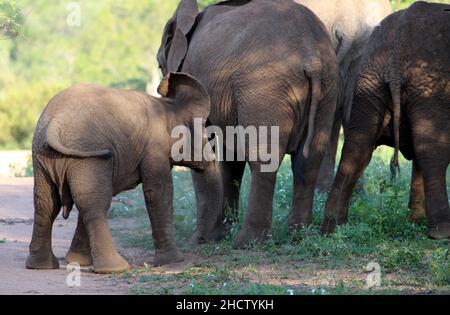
point(305, 67)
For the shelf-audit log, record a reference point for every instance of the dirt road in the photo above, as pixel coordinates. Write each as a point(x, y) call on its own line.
point(16, 217)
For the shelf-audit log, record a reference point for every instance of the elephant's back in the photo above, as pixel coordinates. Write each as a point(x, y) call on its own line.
point(252, 61)
point(90, 117)
point(261, 33)
point(416, 39)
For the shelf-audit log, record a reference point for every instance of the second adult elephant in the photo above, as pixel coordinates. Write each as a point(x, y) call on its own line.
point(261, 69)
point(350, 24)
point(402, 99)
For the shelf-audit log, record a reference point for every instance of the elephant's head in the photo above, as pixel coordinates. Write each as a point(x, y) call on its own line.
point(175, 43)
point(179, 30)
point(189, 106)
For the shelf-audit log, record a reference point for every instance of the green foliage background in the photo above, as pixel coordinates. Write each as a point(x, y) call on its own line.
point(115, 45)
point(40, 54)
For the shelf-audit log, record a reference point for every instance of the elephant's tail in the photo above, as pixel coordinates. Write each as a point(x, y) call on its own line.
point(316, 88)
point(393, 76)
point(53, 140)
point(394, 87)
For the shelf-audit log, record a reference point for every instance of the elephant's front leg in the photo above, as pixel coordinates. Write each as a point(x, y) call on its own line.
point(80, 249)
point(417, 195)
point(258, 221)
point(158, 192)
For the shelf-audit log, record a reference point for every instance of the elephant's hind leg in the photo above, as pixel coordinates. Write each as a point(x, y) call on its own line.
point(433, 158)
point(47, 207)
point(417, 195)
point(436, 200)
point(91, 187)
point(80, 249)
point(326, 174)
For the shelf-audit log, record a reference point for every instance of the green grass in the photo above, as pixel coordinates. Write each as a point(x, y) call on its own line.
point(378, 231)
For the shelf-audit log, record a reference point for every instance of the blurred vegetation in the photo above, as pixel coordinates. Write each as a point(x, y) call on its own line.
point(10, 19)
point(42, 52)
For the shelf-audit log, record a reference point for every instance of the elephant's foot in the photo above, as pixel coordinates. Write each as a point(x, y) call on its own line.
point(440, 231)
point(81, 258)
point(247, 236)
point(42, 261)
point(216, 235)
point(113, 263)
point(167, 257)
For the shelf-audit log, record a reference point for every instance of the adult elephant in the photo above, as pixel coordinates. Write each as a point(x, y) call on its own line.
point(402, 99)
point(350, 24)
point(260, 69)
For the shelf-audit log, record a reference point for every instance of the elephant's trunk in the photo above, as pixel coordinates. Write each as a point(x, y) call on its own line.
point(209, 199)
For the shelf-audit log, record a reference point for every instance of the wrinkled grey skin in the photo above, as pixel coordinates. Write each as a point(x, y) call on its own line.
point(350, 24)
point(92, 143)
point(260, 69)
point(402, 99)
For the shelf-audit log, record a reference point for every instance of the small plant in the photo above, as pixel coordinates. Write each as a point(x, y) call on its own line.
point(440, 266)
point(398, 255)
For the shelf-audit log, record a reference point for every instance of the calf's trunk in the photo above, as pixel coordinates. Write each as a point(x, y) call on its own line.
point(209, 197)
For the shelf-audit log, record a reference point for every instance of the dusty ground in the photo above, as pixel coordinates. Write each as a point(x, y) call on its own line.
point(16, 214)
point(211, 267)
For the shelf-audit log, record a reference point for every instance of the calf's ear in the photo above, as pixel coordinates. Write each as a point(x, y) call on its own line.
point(189, 97)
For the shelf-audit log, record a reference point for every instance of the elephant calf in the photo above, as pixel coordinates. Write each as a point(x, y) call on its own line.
point(402, 99)
point(92, 143)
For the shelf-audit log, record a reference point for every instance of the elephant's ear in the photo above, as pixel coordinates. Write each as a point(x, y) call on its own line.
point(190, 98)
point(174, 45)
